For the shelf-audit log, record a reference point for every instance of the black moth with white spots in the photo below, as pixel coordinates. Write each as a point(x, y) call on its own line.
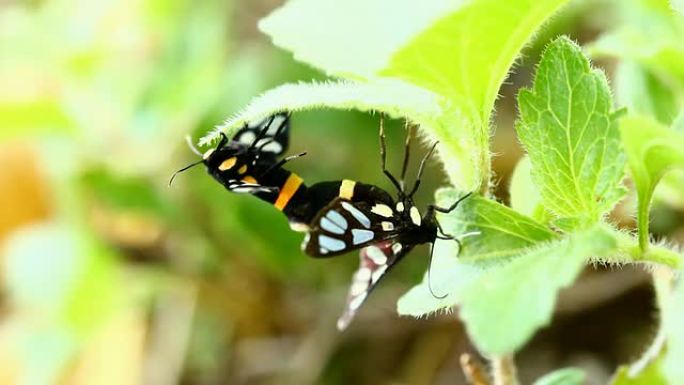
point(385, 231)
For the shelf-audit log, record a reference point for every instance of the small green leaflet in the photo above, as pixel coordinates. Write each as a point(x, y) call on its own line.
point(571, 135)
point(652, 150)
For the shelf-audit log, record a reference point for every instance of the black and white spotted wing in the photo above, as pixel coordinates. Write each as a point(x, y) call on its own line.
point(344, 225)
point(374, 262)
point(272, 134)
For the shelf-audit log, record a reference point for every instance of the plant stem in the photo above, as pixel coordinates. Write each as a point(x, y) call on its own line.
point(643, 206)
point(473, 370)
point(504, 370)
point(631, 248)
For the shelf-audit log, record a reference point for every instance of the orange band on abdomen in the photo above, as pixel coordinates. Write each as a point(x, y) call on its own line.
point(287, 191)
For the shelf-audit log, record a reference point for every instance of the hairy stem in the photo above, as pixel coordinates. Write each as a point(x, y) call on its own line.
point(504, 371)
point(643, 205)
point(631, 251)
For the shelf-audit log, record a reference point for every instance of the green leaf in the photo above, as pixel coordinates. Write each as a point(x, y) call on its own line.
point(650, 375)
point(673, 321)
point(501, 231)
point(652, 150)
point(638, 89)
point(566, 376)
point(505, 306)
point(504, 303)
point(354, 38)
point(422, 44)
point(393, 97)
point(571, 136)
point(466, 56)
point(497, 234)
point(525, 197)
point(650, 34)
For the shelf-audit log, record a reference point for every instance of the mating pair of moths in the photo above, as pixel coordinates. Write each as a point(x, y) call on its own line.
point(338, 216)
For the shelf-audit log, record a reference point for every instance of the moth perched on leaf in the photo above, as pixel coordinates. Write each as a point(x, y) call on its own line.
point(251, 163)
point(385, 231)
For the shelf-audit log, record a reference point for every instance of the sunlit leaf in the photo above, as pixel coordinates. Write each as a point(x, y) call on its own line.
point(652, 150)
point(393, 97)
point(525, 197)
point(571, 135)
point(638, 89)
point(497, 233)
point(503, 304)
point(354, 38)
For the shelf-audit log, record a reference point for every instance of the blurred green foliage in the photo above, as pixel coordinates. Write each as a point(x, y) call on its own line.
point(111, 277)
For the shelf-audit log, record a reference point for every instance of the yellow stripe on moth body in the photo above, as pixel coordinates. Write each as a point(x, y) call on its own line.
point(347, 189)
point(288, 191)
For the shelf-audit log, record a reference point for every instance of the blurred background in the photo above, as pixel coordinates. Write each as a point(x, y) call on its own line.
point(108, 276)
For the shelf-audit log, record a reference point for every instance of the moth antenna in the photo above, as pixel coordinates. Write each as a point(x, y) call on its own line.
point(192, 146)
point(183, 169)
point(432, 250)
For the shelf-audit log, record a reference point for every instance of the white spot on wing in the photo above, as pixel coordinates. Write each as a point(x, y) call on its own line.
point(376, 255)
point(247, 137)
point(331, 226)
point(330, 243)
point(363, 274)
point(378, 273)
point(361, 217)
point(278, 121)
point(415, 216)
point(300, 227)
point(273, 147)
point(361, 236)
point(337, 219)
point(387, 226)
point(400, 207)
point(358, 287)
point(396, 248)
point(356, 302)
point(382, 210)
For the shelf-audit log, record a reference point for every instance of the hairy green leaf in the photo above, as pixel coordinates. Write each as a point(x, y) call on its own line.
point(652, 150)
point(525, 196)
point(429, 45)
point(466, 56)
point(571, 136)
point(566, 376)
point(523, 292)
point(355, 38)
point(393, 97)
point(497, 233)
